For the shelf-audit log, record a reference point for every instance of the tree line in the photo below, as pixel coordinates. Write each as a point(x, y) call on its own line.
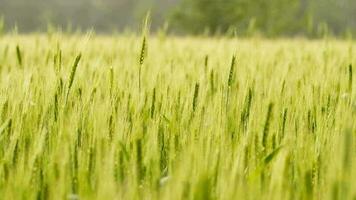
point(242, 17)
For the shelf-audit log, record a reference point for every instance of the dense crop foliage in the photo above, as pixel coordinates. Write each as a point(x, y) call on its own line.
point(94, 117)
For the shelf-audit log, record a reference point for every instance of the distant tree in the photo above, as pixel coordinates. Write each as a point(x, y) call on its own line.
point(217, 15)
point(271, 17)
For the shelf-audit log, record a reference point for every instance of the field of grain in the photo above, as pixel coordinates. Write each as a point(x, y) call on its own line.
point(108, 117)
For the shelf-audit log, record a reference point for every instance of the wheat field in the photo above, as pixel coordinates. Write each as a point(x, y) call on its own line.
point(119, 117)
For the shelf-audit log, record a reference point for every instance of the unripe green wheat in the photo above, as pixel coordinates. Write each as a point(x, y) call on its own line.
point(267, 126)
point(350, 78)
point(72, 74)
point(19, 55)
point(195, 98)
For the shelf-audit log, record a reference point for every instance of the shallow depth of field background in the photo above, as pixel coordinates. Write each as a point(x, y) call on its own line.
point(202, 100)
point(273, 18)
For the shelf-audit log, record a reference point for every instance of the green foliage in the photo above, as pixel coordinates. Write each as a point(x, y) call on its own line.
point(243, 17)
point(269, 17)
point(272, 17)
point(2, 25)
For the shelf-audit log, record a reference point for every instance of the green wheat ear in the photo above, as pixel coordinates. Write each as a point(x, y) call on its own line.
point(246, 109)
point(350, 78)
point(144, 49)
point(139, 160)
point(267, 125)
point(153, 103)
point(19, 55)
point(5, 125)
point(72, 74)
point(212, 82)
point(195, 98)
point(111, 81)
point(206, 63)
point(230, 79)
point(57, 61)
point(231, 73)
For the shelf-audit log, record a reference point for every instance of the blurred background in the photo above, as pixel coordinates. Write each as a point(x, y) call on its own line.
point(310, 18)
